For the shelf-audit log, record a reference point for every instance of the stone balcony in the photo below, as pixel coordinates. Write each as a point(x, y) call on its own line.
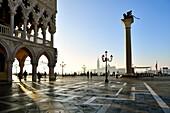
point(19, 35)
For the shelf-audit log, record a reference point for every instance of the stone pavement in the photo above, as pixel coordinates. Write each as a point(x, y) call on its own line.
point(82, 95)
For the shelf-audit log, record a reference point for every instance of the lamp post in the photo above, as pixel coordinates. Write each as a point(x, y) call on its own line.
point(62, 65)
point(106, 59)
point(84, 69)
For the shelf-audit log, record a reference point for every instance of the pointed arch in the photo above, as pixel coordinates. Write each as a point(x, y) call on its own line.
point(50, 62)
point(18, 21)
point(3, 57)
point(6, 49)
point(27, 49)
point(46, 53)
point(6, 60)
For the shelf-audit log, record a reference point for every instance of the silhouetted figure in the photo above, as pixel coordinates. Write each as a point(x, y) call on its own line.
point(128, 15)
point(117, 75)
point(39, 76)
point(55, 75)
point(45, 74)
point(25, 75)
point(113, 74)
point(87, 74)
point(91, 74)
point(108, 72)
point(20, 76)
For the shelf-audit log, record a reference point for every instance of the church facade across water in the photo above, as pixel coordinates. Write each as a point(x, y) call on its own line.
point(112, 70)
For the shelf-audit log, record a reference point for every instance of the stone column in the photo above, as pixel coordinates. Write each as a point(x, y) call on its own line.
point(52, 39)
point(52, 30)
point(25, 29)
point(12, 23)
point(35, 32)
point(21, 65)
point(9, 71)
point(34, 71)
point(44, 35)
point(51, 72)
point(128, 53)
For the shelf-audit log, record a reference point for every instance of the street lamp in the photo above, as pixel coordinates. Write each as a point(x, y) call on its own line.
point(62, 65)
point(106, 59)
point(84, 69)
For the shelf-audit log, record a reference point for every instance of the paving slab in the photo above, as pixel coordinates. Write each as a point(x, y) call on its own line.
point(81, 95)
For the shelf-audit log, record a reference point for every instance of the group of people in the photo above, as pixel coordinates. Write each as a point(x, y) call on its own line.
point(89, 74)
point(21, 77)
point(39, 75)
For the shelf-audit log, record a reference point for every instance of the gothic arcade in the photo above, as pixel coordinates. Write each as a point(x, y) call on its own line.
point(21, 22)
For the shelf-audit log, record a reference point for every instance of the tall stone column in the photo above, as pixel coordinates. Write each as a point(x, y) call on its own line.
point(35, 32)
point(12, 23)
point(52, 39)
point(51, 72)
point(52, 30)
point(21, 65)
point(127, 21)
point(34, 71)
point(44, 35)
point(25, 29)
point(9, 71)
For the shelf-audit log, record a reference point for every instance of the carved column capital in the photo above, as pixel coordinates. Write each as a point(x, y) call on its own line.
point(13, 6)
point(127, 22)
point(52, 29)
point(13, 13)
point(9, 61)
point(51, 65)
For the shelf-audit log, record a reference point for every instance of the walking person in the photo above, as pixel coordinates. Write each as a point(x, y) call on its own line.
point(25, 75)
point(39, 76)
point(45, 74)
point(20, 76)
point(91, 74)
point(55, 75)
point(88, 74)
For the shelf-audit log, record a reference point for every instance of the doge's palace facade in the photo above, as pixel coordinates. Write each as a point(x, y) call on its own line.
point(24, 25)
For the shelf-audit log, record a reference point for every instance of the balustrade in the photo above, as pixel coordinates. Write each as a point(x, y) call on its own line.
point(4, 29)
point(48, 43)
point(39, 40)
point(30, 37)
point(19, 34)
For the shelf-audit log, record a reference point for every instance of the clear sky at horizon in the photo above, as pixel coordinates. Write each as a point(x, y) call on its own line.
point(87, 28)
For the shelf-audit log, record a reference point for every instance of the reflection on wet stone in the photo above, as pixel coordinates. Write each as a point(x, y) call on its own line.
point(79, 97)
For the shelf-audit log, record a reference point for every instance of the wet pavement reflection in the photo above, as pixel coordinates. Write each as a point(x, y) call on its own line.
point(82, 95)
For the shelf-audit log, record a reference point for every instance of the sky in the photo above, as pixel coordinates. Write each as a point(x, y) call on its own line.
point(88, 28)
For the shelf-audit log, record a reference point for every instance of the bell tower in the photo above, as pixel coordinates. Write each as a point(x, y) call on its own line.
point(98, 64)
